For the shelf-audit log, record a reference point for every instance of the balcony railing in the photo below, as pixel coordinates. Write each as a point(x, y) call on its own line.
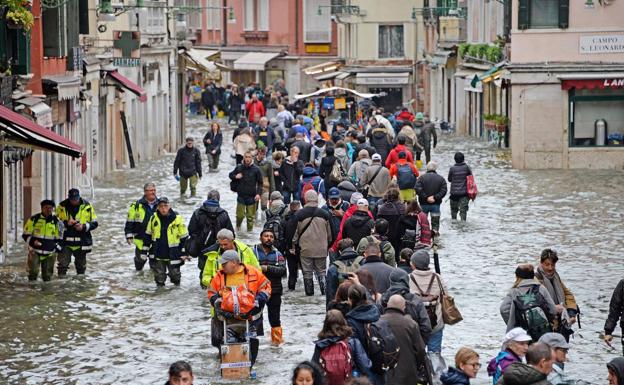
point(433, 13)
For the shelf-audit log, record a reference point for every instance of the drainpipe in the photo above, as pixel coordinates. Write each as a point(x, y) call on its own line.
point(224, 24)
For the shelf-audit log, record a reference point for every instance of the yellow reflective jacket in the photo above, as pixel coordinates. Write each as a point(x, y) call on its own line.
point(73, 238)
point(139, 215)
point(166, 249)
point(45, 230)
point(213, 254)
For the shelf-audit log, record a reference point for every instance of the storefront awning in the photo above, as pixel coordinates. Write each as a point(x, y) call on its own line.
point(127, 84)
point(67, 87)
point(382, 78)
point(254, 61)
point(330, 66)
point(201, 58)
point(41, 112)
point(22, 132)
point(327, 76)
point(606, 81)
point(343, 75)
point(491, 74)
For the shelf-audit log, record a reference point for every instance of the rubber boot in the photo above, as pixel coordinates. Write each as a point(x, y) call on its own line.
point(308, 286)
point(321, 281)
point(276, 336)
point(435, 224)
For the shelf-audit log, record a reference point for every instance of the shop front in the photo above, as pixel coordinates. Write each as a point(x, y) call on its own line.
point(395, 86)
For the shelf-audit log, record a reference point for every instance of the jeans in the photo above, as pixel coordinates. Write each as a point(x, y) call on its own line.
point(434, 211)
point(287, 196)
point(64, 260)
point(435, 342)
point(194, 108)
point(184, 182)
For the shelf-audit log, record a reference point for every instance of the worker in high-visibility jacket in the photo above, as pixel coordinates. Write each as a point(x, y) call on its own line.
point(208, 261)
point(139, 215)
point(165, 236)
point(42, 233)
point(79, 219)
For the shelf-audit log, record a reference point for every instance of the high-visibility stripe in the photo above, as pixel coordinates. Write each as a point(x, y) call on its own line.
point(175, 262)
point(73, 239)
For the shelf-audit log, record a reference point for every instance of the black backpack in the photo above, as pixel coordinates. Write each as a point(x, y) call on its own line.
point(381, 346)
point(209, 227)
point(530, 315)
point(275, 223)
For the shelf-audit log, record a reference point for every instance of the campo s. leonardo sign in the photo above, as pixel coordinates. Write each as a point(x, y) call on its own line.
point(601, 44)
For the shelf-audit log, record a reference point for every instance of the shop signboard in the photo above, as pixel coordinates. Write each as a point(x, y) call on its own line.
point(601, 44)
point(126, 48)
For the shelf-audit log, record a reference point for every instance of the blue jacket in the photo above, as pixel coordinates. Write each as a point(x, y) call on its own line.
point(358, 317)
point(454, 377)
point(360, 358)
point(275, 267)
point(310, 174)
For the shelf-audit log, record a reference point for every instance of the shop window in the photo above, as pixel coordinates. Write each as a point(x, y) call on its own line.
point(596, 117)
point(533, 14)
point(391, 41)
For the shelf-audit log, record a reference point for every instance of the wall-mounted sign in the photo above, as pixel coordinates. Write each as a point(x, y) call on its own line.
point(601, 44)
point(317, 48)
point(126, 48)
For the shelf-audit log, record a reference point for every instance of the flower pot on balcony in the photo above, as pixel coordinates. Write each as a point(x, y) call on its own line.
point(501, 127)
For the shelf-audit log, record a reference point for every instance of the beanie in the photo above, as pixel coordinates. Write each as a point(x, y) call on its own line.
point(420, 259)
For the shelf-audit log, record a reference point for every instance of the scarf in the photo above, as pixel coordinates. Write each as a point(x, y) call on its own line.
point(552, 284)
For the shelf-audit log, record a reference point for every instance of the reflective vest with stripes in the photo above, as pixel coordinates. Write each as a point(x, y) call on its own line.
point(45, 230)
point(85, 216)
point(176, 236)
point(138, 217)
point(212, 265)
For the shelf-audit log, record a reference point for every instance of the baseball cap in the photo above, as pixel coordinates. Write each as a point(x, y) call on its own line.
point(229, 256)
point(47, 202)
point(554, 340)
point(73, 193)
point(376, 157)
point(516, 334)
point(163, 200)
point(362, 202)
point(333, 193)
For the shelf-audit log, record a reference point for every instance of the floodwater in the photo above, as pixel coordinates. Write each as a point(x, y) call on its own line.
point(114, 327)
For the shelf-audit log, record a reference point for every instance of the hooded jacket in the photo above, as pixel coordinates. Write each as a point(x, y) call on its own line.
point(311, 175)
point(359, 317)
point(617, 366)
point(502, 360)
point(358, 226)
point(454, 377)
point(508, 311)
point(358, 354)
point(393, 157)
point(209, 211)
point(250, 184)
point(414, 307)
point(380, 139)
point(523, 374)
point(392, 212)
point(457, 177)
point(380, 271)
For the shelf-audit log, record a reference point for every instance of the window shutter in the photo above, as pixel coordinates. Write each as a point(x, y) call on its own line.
point(52, 32)
point(523, 14)
point(22, 64)
point(564, 13)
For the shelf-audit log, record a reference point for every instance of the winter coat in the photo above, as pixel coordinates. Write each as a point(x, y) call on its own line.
point(617, 366)
point(423, 277)
point(325, 169)
point(208, 97)
point(523, 374)
point(411, 367)
point(427, 133)
point(508, 311)
point(414, 306)
point(215, 142)
point(616, 309)
point(359, 317)
point(359, 226)
point(209, 209)
point(380, 139)
point(342, 307)
point(254, 108)
point(457, 178)
point(334, 219)
point(244, 143)
point(411, 139)
point(291, 173)
point(275, 267)
point(454, 376)
point(504, 358)
point(268, 179)
point(341, 154)
point(558, 376)
point(358, 354)
point(384, 246)
point(188, 162)
point(346, 189)
point(430, 184)
point(380, 271)
point(358, 169)
point(392, 212)
point(264, 135)
point(250, 184)
point(410, 222)
point(311, 175)
point(377, 187)
point(318, 235)
point(393, 157)
point(236, 102)
point(305, 150)
point(347, 256)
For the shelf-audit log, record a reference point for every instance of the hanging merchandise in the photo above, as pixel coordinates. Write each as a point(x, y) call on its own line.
point(328, 103)
point(340, 103)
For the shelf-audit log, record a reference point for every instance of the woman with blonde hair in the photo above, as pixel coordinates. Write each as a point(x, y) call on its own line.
point(466, 367)
point(242, 143)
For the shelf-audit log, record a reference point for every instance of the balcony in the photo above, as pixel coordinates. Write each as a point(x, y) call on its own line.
point(452, 30)
point(432, 14)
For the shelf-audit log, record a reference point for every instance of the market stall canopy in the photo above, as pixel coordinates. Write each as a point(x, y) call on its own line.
point(330, 66)
point(203, 59)
point(254, 61)
point(327, 75)
point(324, 91)
point(19, 131)
point(592, 81)
point(67, 87)
point(126, 83)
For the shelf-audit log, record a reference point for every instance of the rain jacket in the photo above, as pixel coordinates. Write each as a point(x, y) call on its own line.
point(84, 213)
point(454, 377)
point(497, 365)
point(358, 317)
point(616, 309)
point(45, 230)
point(318, 235)
point(358, 226)
point(210, 210)
point(523, 374)
point(381, 140)
point(617, 365)
point(213, 253)
point(393, 157)
point(358, 354)
point(430, 184)
point(253, 108)
point(188, 162)
point(139, 214)
point(165, 236)
point(508, 311)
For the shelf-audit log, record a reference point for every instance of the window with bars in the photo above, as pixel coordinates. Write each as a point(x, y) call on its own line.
point(391, 41)
point(534, 14)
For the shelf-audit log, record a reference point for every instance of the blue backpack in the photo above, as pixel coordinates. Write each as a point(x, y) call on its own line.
point(405, 176)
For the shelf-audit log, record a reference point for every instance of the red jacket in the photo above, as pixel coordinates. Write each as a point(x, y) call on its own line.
point(405, 116)
point(254, 108)
point(394, 169)
point(347, 215)
point(393, 157)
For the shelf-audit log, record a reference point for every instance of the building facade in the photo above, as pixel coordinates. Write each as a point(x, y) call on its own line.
point(567, 77)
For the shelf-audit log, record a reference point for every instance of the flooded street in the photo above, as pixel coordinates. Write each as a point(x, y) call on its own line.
point(114, 327)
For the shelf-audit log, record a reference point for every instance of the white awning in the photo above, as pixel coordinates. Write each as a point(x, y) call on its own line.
point(343, 75)
point(67, 87)
point(329, 66)
point(200, 58)
point(382, 78)
point(327, 76)
point(440, 57)
point(254, 61)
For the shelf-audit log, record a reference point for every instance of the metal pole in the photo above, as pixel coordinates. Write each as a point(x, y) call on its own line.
point(127, 136)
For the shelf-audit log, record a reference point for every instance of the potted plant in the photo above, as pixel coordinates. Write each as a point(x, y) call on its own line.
point(501, 123)
point(488, 121)
point(18, 15)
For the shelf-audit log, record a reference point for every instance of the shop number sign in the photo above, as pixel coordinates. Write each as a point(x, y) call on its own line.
point(601, 44)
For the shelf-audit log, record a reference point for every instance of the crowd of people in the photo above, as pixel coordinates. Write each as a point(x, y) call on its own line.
point(354, 209)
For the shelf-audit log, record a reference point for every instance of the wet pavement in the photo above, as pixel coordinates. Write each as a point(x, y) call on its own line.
point(114, 327)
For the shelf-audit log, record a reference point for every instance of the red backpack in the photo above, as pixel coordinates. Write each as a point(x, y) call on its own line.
point(471, 186)
point(337, 363)
point(307, 186)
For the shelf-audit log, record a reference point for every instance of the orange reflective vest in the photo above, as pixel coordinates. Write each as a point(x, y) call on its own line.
point(255, 282)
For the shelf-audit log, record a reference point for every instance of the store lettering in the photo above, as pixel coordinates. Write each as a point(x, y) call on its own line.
point(613, 83)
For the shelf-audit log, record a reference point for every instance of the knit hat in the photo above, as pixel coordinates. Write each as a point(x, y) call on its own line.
point(355, 197)
point(420, 259)
point(311, 196)
point(275, 195)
